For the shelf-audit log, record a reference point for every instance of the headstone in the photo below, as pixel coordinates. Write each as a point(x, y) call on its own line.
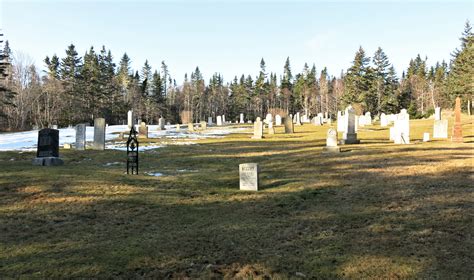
point(47, 153)
point(161, 124)
point(457, 128)
point(368, 118)
point(298, 120)
point(178, 127)
point(317, 121)
point(340, 122)
point(241, 118)
point(383, 120)
point(190, 127)
point(130, 119)
point(203, 125)
point(209, 121)
point(67, 146)
point(402, 128)
point(223, 119)
point(289, 128)
point(219, 120)
point(437, 114)
point(271, 129)
point(54, 126)
point(350, 136)
point(99, 134)
point(321, 118)
point(249, 179)
point(81, 137)
point(249, 121)
point(277, 120)
point(426, 137)
point(258, 129)
point(268, 118)
point(331, 142)
point(440, 129)
point(143, 130)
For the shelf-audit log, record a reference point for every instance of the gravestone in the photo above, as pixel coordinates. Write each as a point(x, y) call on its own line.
point(277, 120)
point(317, 121)
point(402, 128)
point(457, 128)
point(289, 128)
point(340, 122)
point(47, 152)
point(350, 136)
point(81, 137)
point(383, 120)
point(132, 152)
point(249, 176)
point(130, 119)
point(271, 129)
point(426, 137)
point(223, 120)
point(143, 130)
point(331, 142)
point(203, 125)
point(99, 134)
point(437, 114)
point(241, 118)
point(368, 118)
point(161, 124)
point(440, 129)
point(219, 120)
point(190, 127)
point(298, 120)
point(268, 118)
point(209, 121)
point(54, 126)
point(258, 129)
point(178, 127)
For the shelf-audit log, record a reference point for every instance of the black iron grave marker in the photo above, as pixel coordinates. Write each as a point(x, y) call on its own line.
point(132, 152)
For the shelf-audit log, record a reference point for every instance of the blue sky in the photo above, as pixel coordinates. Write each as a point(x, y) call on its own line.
point(231, 37)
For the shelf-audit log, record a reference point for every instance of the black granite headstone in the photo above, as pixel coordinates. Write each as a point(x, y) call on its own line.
point(48, 143)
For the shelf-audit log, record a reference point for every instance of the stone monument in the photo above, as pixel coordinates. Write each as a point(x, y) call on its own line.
point(457, 128)
point(350, 136)
point(47, 153)
point(249, 179)
point(81, 137)
point(331, 142)
point(99, 134)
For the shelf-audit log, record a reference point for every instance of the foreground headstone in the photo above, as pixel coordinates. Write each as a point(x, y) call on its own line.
point(457, 128)
point(219, 120)
point(440, 129)
point(258, 129)
point(81, 137)
point(350, 136)
point(143, 130)
point(130, 119)
point(277, 120)
point(99, 134)
point(249, 179)
point(289, 128)
point(331, 142)
point(402, 128)
point(47, 153)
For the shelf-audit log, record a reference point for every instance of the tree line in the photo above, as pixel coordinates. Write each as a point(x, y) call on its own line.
point(76, 89)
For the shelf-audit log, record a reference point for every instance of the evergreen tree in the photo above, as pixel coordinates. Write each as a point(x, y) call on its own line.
point(356, 81)
point(381, 81)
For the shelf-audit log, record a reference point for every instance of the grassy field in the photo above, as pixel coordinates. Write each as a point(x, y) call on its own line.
point(374, 211)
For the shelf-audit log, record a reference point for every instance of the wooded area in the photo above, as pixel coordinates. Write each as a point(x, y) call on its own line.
point(77, 89)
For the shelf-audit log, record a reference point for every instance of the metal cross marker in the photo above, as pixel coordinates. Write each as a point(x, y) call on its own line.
point(132, 152)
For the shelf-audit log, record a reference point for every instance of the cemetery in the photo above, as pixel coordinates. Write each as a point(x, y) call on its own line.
point(247, 203)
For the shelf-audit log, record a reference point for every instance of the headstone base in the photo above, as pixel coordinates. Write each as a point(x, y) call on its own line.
point(349, 138)
point(330, 150)
point(47, 161)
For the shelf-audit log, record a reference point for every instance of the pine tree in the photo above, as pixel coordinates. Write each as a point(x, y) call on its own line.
point(357, 80)
point(381, 82)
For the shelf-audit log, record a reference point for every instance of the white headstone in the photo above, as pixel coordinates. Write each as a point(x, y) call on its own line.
point(277, 120)
point(331, 141)
point(223, 119)
point(426, 137)
point(161, 124)
point(258, 129)
point(298, 120)
point(241, 118)
point(440, 129)
point(368, 118)
point(219, 120)
point(340, 122)
point(350, 136)
point(317, 121)
point(249, 179)
point(268, 118)
point(402, 128)
point(130, 119)
point(383, 120)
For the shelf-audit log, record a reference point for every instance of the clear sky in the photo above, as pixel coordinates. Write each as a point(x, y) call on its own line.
point(231, 37)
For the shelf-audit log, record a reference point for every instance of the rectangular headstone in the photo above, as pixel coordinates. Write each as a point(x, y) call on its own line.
point(457, 128)
point(426, 137)
point(190, 127)
point(402, 128)
point(143, 130)
point(209, 121)
point(440, 129)
point(48, 143)
point(241, 118)
point(161, 124)
point(277, 120)
point(130, 119)
point(81, 137)
point(219, 120)
point(249, 179)
point(203, 125)
point(437, 114)
point(99, 134)
point(258, 129)
point(289, 128)
point(350, 136)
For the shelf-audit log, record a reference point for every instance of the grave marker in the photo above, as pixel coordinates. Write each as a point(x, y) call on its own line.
point(81, 137)
point(457, 128)
point(47, 152)
point(249, 176)
point(99, 134)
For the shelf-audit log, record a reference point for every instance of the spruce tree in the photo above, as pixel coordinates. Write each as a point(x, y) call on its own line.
point(357, 81)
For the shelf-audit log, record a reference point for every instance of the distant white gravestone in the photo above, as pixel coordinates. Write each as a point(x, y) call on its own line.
point(130, 119)
point(402, 128)
point(219, 120)
point(440, 129)
point(437, 113)
point(249, 180)
point(350, 136)
point(241, 118)
point(277, 120)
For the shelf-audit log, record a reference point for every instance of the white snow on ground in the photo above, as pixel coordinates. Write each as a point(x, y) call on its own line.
point(26, 141)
